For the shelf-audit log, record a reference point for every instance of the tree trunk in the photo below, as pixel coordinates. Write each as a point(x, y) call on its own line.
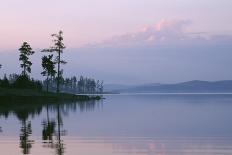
point(47, 84)
point(58, 74)
point(24, 70)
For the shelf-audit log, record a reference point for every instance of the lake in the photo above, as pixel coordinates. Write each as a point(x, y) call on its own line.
point(129, 124)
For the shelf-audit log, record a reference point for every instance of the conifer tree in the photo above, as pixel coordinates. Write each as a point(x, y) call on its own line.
point(25, 52)
point(48, 68)
point(58, 47)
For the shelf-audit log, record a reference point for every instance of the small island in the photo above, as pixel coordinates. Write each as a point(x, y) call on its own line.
point(22, 88)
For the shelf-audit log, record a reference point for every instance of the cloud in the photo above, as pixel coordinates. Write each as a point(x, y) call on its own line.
point(165, 52)
point(162, 32)
point(183, 55)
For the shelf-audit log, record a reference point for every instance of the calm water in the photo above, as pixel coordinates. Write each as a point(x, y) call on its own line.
point(146, 124)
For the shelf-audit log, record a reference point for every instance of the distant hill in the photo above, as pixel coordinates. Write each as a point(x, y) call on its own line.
point(115, 87)
point(195, 86)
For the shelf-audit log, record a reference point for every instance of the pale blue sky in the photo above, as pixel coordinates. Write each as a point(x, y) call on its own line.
point(88, 21)
point(124, 41)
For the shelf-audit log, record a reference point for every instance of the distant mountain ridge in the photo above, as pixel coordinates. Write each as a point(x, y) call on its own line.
point(114, 87)
point(195, 86)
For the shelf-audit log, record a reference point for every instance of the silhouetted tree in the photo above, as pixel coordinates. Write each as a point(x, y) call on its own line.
point(25, 82)
point(5, 82)
point(13, 77)
point(101, 87)
point(83, 85)
point(74, 82)
point(25, 52)
point(88, 85)
point(48, 67)
point(58, 48)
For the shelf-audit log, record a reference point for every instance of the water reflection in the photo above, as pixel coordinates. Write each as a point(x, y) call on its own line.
point(142, 125)
point(59, 143)
point(25, 142)
point(52, 128)
point(26, 129)
point(48, 130)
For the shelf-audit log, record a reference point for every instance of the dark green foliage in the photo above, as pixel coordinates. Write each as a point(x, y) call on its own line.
point(48, 67)
point(5, 82)
point(25, 52)
point(24, 82)
point(20, 82)
point(13, 77)
point(83, 85)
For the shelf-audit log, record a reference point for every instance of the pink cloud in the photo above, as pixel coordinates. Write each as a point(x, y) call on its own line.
point(175, 25)
point(161, 32)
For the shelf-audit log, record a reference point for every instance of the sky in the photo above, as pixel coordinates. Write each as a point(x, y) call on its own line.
point(124, 41)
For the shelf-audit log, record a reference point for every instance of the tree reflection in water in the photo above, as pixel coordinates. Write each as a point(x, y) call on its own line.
point(59, 143)
point(52, 129)
point(26, 129)
point(48, 130)
point(25, 142)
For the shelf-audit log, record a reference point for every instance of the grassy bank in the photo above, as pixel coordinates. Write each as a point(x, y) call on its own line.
point(25, 95)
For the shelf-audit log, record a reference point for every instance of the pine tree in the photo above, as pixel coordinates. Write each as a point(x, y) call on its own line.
point(58, 48)
point(48, 67)
point(25, 52)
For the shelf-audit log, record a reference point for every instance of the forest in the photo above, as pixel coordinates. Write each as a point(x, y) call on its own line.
point(51, 63)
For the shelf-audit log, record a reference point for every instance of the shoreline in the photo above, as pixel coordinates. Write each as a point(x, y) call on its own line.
point(24, 95)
